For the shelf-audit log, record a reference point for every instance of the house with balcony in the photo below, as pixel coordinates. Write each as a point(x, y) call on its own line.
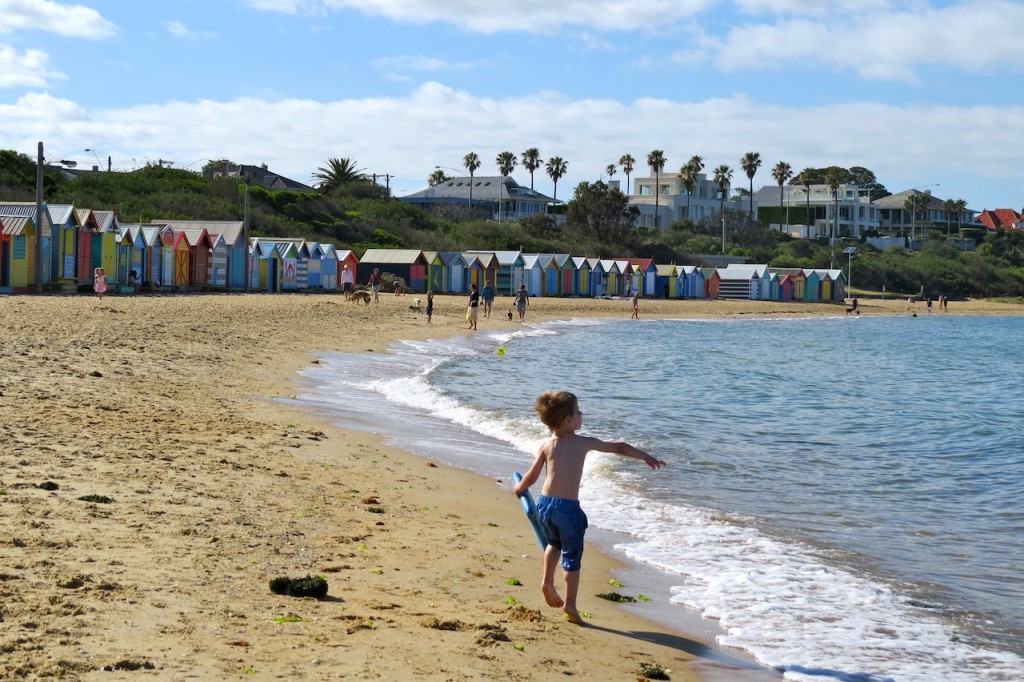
point(490, 197)
point(895, 217)
point(672, 202)
point(809, 212)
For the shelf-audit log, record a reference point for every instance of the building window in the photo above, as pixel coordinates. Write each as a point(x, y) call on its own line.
point(20, 251)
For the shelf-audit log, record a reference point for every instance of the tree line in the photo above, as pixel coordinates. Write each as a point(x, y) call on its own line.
point(351, 211)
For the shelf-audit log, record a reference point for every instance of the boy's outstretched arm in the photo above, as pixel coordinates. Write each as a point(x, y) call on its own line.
point(627, 450)
point(531, 475)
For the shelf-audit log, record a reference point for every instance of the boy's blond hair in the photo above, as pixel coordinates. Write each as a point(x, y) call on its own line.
point(554, 407)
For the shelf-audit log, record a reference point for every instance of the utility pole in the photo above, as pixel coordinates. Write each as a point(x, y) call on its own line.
point(245, 236)
point(39, 221)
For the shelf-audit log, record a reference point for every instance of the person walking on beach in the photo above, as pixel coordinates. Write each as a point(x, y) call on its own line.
point(487, 294)
point(430, 306)
point(374, 283)
point(99, 282)
point(522, 300)
point(474, 307)
point(347, 282)
point(636, 306)
point(558, 508)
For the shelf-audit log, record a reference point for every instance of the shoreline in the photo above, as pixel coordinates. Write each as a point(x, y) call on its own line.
point(161, 403)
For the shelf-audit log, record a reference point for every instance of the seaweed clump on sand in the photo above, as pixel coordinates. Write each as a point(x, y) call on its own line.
point(616, 597)
point(311, 586)
point(653, 671)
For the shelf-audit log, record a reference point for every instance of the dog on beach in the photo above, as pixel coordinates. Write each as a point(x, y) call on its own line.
point(415, 308)
point(363, 296)
point(509, 314)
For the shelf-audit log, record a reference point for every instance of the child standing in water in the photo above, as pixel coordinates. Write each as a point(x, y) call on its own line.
point(558, 507)
point(99, 282)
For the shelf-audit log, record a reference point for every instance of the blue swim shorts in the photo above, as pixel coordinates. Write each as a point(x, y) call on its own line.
point(564, 525)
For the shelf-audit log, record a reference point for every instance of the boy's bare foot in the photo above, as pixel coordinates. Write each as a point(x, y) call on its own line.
point(573, 617)
point(551, 596)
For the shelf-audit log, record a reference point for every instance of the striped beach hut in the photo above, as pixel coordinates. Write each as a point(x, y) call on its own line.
point(711, 282)
point(454, 264)
point(266, 267)
point(230, 253)
point(17, 254)
point(581, 276)
point(51, 258)
point(612, 273)
point(566, 274)
point(645, 277)
point(690, 282)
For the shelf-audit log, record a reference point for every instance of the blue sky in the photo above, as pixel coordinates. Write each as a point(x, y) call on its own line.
point(922, 92)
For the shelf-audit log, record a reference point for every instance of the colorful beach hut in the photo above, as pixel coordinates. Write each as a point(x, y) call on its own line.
point(409, 264)
point(17, 254)
point(581, 275)
point(454, 265)
point(346, 257)
point(666, 280)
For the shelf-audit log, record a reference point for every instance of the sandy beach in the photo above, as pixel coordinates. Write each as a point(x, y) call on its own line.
point(205, 486)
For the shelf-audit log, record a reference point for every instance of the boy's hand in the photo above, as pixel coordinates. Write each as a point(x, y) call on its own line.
point(654, 462)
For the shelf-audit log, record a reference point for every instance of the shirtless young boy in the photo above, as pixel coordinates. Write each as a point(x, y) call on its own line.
point(558, 507)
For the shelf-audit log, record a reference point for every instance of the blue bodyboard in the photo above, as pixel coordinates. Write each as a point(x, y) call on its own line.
point(530, 509)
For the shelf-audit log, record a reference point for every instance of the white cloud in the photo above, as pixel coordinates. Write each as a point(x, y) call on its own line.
point(884, 46)
point(533, 16)
point(30, 69)
point(407, 136)
point(43, 15)
point(179, 30)
point(419, 63)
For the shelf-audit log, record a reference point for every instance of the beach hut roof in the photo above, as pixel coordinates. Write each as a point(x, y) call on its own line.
point(451, 258)
point(666, 270)
point(487, 258)
point(14, 225)
point(195, 237)
point(580, 261)
point(106, 221)
point(231, 229)
point(65, 214)
point(392, 256)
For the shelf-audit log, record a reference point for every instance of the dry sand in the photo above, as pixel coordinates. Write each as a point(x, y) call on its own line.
point(167, 406)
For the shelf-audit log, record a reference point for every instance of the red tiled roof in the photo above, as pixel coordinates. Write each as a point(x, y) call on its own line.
point(1000, 218)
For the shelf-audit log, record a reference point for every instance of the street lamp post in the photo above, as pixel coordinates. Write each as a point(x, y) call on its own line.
point(467, 175)
point(99, 164)
point(850, 251)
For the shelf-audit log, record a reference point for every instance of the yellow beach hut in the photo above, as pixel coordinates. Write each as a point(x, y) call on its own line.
point(17, 254)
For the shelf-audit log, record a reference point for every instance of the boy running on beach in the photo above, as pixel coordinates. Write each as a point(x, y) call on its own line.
point(558, 507)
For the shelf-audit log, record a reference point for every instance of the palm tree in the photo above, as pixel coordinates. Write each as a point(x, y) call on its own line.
point(835, 177)
point(949, 207)
point(808, 176)
point(610, 170)
point(628, 163)
point(471, 162)
point(531, 161)
point(688, 176)
point(506, 163)
point(750, 162)
point(961, 206)
point(915, 203)
point(723, 178)
point(436, 178)
point(338, 172)
point(656, 160)
point(556, 168)
point(781, 173)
